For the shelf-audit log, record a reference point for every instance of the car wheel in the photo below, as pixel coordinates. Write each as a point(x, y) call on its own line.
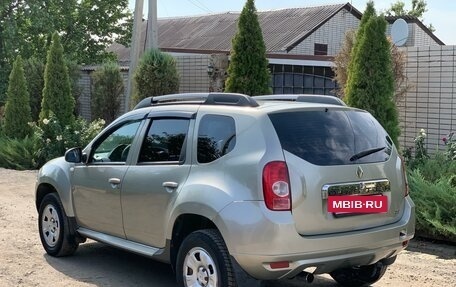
point(53, 225)
point(203, 260)
point(359, 276)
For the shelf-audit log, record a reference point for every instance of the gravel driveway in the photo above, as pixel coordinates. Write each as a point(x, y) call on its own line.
point(23, 261)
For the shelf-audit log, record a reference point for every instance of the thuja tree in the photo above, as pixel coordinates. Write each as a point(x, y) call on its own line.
point(17, 109)
point(368, 13)
point(248, 71)
point(57, 97)
point(107, 89)
point(370, 84)
point(34, 73)
point(156, 75)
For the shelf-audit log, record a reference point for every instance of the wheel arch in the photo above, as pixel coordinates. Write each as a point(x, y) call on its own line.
point(184, 224)
point(55, 178)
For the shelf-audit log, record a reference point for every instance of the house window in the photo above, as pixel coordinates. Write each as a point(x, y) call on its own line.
point(293, 79)
point(320, 49)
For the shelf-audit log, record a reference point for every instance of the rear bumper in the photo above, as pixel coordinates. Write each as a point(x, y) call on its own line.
point(256, 237)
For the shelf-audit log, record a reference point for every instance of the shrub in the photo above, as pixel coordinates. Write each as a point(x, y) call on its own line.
point(18, 154)
point(57, 98)
point(107, 88)
point(17, 109)
point(54, 138)
point(435, 168)
point(435, 208)
point(156, 75)
point(450, 143)
point(248, 71)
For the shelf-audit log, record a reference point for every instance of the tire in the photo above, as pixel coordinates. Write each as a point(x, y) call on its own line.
point(54, 228)
point(359, 276)
point(204, 255)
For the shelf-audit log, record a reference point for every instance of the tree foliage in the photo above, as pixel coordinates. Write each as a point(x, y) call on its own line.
point(34, 74)
point(370, 84)
point(57, 98)
point(156, 75)
point(17, 109)
point(108, 87)
point(248, 71)
point(343, 59)
point(87, 28)
point(419, 7)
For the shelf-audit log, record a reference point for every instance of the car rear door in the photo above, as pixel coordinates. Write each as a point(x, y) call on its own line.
point(161, 169)
point(319, 145)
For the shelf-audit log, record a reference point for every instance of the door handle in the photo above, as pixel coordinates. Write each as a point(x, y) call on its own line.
point(170, 186)
point(114, 182)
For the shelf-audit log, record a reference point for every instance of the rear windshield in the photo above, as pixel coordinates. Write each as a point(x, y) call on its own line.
point(332, 137)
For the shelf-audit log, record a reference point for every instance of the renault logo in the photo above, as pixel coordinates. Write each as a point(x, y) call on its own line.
point(359, 172)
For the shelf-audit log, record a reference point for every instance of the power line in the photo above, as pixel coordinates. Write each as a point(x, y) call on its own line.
point(204, 6)
point(199, 6)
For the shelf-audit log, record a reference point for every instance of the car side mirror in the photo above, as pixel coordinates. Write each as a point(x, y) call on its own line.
point(74, 155)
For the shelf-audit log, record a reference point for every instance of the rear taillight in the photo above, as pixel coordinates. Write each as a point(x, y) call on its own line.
point(404, 177)
point(276, 186)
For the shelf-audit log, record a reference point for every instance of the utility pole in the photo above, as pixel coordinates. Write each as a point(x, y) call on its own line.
point(152, 38)
point(135, 50)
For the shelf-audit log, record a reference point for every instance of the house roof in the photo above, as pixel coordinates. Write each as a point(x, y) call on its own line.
point(283, 29)
point(412, 19)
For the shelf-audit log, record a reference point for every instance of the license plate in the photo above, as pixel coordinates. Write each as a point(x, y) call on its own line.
point(357, 204)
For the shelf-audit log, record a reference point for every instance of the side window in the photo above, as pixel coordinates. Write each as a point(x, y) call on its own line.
point(116, 146)
point(216, 137)
point(164, 141)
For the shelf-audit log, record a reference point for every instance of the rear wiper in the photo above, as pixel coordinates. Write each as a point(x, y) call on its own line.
point(366, 153)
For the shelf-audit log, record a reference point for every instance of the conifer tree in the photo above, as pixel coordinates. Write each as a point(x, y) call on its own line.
point(248, 71)
point(108, 87)
point(17, 109)
point(370, 84)
point(34, 74)
point(156, 75)
point(368, 13)
point(57, 97)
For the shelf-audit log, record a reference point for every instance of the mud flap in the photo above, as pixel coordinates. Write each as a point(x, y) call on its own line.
point(242, 278)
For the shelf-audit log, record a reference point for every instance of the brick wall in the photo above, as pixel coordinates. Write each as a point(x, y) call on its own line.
point(192, 71)
point(431, 103)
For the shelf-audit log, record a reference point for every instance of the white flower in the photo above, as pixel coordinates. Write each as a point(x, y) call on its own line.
point(48, 140)
point(45, 121)
point(59, 138)
point(76, 132)
point(423, 131)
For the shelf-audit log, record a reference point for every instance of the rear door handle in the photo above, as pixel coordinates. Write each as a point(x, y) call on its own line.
point(170, 186)
point(114, 182)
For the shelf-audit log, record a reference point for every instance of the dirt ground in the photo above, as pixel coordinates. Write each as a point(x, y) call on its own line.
point(23, 261)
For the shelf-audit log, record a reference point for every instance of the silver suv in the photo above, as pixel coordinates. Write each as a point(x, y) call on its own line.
point(232, 190)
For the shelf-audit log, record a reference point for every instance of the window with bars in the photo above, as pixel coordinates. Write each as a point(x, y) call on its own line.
point(293, 79)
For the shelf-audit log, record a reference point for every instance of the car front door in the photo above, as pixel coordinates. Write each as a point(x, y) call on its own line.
point(97, 184)
point(155, 180)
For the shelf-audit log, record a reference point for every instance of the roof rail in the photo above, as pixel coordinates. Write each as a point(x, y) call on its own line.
point(321, 99)
point(228, 99)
